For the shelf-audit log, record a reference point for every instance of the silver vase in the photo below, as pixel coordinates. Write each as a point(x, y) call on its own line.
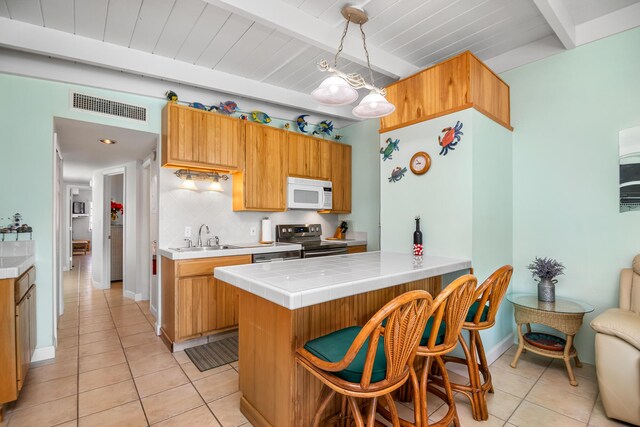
point(547, 290)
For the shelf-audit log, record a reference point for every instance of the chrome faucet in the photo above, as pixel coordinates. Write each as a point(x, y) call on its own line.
point(200, 234)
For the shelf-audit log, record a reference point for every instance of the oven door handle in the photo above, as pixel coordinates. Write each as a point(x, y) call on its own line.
point(313, 254)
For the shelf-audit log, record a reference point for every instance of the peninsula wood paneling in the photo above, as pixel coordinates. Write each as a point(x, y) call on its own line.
point(455, 84)
point(275, 390)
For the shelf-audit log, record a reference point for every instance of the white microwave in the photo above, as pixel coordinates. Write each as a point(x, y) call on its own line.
point(309, 194)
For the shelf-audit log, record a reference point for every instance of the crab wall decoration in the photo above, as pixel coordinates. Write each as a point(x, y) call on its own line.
point(389, 149)
point(397, 174)
point(450, 139)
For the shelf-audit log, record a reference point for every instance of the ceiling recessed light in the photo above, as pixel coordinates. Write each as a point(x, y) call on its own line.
point(108, 141)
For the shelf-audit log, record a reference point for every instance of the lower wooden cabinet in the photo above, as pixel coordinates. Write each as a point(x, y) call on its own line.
point(356, 249)
point(194, 303)
point(17, 333)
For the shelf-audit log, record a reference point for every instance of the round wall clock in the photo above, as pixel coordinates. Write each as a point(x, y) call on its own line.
point(420, 163)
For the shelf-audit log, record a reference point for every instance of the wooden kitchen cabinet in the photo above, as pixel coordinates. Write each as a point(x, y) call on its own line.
point(194, 303)
point(309, 157)
point(201, 140)
point(356, 249)
point(17, 333)
point(262, 184)
point(341, 177)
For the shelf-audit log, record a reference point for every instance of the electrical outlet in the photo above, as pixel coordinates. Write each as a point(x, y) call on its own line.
point(187, 232)
point(253, 231)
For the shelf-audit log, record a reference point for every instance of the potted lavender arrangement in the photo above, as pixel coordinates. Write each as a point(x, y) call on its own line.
point(546, 270)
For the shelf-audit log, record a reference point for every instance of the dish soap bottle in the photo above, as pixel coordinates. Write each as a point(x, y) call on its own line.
point(417, 239)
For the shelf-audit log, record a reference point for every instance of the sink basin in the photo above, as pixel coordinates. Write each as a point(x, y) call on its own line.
point(204, 248)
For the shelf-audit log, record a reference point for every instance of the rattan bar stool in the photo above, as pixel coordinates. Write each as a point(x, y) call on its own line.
point(439, 338)
point(371, 361)
point(481, 316)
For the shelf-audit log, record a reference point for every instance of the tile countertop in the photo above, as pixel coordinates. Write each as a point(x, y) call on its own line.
point(12, 267)
point(301, 283)
point(242, 249)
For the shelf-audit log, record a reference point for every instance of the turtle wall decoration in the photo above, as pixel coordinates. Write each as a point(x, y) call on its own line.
point(392, 145)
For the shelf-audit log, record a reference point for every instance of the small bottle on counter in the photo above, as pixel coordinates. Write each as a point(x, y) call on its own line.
point(417, 239)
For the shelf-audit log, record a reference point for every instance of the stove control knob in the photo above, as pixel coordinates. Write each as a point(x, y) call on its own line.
point(290, 230)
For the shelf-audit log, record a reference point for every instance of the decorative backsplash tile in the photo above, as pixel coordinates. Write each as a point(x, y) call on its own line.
point(180, 208)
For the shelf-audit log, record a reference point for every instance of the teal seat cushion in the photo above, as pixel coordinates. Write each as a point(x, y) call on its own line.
point(474, 309)
point(427, 332)
point(334, 346)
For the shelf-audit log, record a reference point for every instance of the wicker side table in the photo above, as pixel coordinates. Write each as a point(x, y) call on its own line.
point(563, 315)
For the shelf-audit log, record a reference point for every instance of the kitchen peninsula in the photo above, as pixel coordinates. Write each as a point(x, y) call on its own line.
point(283, 305)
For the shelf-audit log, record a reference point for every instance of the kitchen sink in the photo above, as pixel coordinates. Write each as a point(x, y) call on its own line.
point(204, 248)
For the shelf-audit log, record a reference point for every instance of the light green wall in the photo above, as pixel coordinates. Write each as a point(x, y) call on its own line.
point(365, 200)
point(26, 147)
point(464, 200)
point(442, 196)
point(567, 111)
point(492, 212)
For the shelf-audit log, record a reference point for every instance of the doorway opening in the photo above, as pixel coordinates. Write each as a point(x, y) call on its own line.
point(107, 204)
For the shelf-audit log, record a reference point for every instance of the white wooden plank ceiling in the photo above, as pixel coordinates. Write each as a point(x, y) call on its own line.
point(225, 39)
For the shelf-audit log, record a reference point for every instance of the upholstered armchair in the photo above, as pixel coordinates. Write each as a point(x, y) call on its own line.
point(618, 350)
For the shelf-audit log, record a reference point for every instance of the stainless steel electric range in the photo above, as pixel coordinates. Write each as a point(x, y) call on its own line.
point(310, 237)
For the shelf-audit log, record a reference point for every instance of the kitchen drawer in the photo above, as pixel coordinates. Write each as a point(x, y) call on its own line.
point(205, 266)
point(24, 282)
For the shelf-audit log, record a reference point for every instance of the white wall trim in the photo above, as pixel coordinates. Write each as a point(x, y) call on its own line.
point(129, 294)
point(499, 349)
point(606, 25)
point(138, 297)
point(43, 353)
point(492, 355)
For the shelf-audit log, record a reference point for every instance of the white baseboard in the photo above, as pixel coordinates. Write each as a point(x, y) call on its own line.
point(139, 297)
point(43, 353)
point(492, 355)
point(130, 295)
point(96, 285)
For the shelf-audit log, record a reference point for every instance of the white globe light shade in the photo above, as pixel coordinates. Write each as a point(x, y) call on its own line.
point(373, 106)
point(215, 186)
point(334, 90)
point(188, 183)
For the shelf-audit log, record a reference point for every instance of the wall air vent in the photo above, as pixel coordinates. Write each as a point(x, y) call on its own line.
point(107, 107)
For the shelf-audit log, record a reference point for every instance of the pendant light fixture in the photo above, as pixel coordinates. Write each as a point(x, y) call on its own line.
point(340, 88)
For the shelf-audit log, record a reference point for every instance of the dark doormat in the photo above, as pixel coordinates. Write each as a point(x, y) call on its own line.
point(214, 354)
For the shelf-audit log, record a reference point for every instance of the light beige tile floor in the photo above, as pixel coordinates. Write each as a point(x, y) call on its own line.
point(112, 370)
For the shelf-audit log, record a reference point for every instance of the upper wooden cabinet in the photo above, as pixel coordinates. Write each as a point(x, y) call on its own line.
point(201, 140)
point(341, 177)
point(262, 185)
point(452, 85)
point(309, 157)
